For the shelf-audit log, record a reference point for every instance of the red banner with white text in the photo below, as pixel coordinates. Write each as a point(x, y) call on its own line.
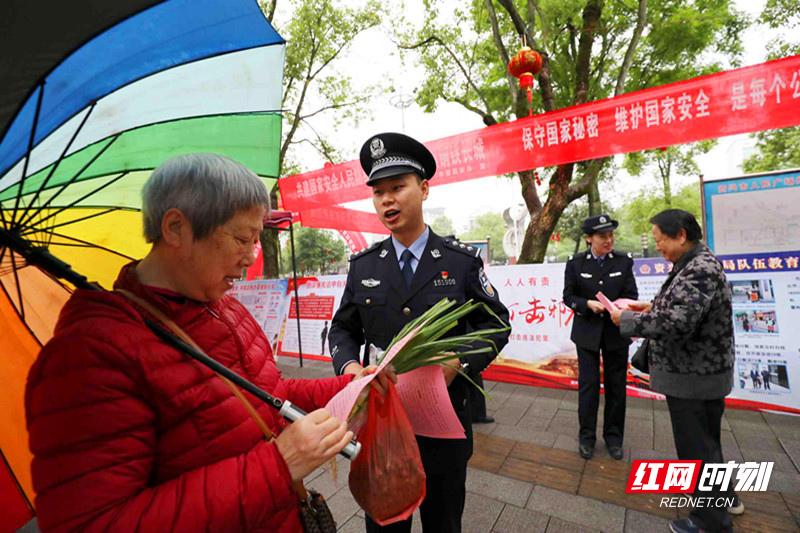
point(755, 98)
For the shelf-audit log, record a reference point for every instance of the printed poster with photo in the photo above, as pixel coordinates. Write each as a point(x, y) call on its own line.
point(319, 300)
point(765, 291)
point(266, 300)
point(766, 305)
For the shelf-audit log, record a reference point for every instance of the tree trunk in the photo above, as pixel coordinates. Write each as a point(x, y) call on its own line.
point(665, 169)
point(544, 217)
point(270, 245)
point(667, 191)
point(595, 206)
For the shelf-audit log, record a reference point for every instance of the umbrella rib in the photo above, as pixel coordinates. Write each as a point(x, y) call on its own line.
point(24, 323)
point(85, 196)
point(19, 289)
point(87, 217)
point(28, 154)
point(67, 244)
point(72, 179)
point(89, 244)
point(58, 161)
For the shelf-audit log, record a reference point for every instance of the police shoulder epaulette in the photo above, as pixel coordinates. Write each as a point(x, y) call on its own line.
point(365, 251)
point(454, 244)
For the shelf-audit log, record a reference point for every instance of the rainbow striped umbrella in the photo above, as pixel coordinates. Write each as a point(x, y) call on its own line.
point(99, 94)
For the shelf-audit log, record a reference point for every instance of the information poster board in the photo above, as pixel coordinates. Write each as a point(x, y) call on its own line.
point(766, 309)
point(753, 214)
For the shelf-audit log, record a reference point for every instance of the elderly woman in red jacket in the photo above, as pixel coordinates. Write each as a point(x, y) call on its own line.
point(127, 432)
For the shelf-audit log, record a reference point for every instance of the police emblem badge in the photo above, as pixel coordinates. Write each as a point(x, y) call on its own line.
point(445, 280)
point(376, 148)
point(486, 284)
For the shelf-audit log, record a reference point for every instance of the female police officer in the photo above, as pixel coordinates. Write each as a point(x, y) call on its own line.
point(599, 268)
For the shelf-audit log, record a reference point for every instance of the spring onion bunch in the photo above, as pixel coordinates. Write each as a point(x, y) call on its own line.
point(428, 344)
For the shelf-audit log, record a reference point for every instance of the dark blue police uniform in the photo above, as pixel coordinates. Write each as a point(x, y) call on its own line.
point(377, 303)
point(594, 334)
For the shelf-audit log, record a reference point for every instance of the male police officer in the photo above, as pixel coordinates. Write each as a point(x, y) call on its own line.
point(396, 280)
point(599, 268)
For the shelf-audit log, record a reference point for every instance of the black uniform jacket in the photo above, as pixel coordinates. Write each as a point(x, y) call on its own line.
point(583, 278)
point(377, 304)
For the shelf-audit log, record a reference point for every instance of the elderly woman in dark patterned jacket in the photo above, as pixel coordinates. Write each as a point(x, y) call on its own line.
point(689, 330)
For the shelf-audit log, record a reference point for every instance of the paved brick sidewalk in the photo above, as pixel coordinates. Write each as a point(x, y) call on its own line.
point(526, 475)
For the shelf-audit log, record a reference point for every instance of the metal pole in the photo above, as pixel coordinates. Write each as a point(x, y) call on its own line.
point(296, 296)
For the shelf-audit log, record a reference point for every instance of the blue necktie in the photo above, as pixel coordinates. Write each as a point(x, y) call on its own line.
point(408, 272)
point(600, 261)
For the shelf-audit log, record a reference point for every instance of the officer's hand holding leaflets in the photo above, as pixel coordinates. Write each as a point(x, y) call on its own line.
point(595, 306)
point(387, 478)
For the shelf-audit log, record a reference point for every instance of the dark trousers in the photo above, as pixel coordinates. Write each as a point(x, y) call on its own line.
point(696, 429)
point(615, 376)
point(477, 400)
point(445, 491)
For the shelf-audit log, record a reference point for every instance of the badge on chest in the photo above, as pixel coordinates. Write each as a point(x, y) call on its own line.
point(444, 280)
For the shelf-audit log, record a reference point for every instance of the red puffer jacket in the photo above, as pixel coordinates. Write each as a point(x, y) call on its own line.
point(129, 434)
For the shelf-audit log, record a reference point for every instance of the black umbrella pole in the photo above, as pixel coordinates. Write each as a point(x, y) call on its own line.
point(42, 258)
point(286, 408)
point(296, 297)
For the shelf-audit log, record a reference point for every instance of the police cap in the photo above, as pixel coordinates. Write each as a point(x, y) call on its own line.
point(391, 154)
point(598, 223)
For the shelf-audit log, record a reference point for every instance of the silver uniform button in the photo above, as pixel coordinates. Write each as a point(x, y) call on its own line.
point(600, 282)
point(406, 311)
point(368, 301)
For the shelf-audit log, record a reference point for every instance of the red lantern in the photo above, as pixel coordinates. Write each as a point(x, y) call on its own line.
point(524, 66)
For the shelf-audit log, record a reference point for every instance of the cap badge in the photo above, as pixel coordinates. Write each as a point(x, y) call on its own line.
point(376, 148)
point(603, 220)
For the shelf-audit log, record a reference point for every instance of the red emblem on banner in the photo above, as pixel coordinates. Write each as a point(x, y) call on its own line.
point(444, 274)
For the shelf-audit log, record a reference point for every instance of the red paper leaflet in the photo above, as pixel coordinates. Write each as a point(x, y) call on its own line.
point(755, 98)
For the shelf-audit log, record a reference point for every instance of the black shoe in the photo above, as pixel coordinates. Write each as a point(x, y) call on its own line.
point(483, 420)
point(586, 450)
point(684, 525)
point(615, 452)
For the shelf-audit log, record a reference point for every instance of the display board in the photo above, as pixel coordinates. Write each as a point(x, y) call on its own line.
point(753, 214)
point(766, 305)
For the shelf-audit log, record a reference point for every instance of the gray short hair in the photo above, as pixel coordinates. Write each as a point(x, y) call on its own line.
point(208, 188)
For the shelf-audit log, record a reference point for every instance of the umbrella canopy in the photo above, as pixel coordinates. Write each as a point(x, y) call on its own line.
point(101, 94)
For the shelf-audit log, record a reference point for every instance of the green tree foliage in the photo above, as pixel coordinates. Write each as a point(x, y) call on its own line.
point(591, 49)
point(316, 252)
point(778, 149)
point(489, 225)
point(664, 162)
point(775, 150)
point(635, 216)
point(443, 226)
point(569, 227)
point(317, 32)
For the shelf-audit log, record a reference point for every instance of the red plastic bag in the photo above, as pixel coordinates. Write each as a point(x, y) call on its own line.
point(387, 479)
